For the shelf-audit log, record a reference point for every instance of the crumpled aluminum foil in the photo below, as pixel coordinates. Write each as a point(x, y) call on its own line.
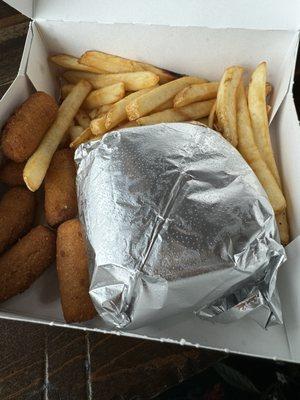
point(177, 222)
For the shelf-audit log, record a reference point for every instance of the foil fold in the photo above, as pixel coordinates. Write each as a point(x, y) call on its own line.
point(177, 222)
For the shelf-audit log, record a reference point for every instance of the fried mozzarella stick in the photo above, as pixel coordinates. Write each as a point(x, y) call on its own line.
point(21, 265)
point(12, 173)
point(73, 274)
point(60, 188)
point(16, 215)
point(27, 126)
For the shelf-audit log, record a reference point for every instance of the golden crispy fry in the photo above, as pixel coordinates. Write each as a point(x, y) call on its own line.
point(70, 62)
point(94, 113)
point(85, 136)
point(250, 152)
point(196, 92)
point(129, 124)
point(226, 103)
point(37, 165)
point(269, 88)
point(212, 116)
point(164, 75)
point(107, 95)
point(269, 108)
point(98, 126)
point(116, 64)
point(283, 227)
point(203, 121)
point(82, 118)
point(117, 113)
point(75, 131)
point(132, 80)
point(165, 106)
point(109, 62)
point(259, 118)
point(187, 113)
point(66, 89)
point(150, 101)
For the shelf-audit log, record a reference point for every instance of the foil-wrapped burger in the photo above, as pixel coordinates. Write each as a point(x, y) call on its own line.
point(177, 222)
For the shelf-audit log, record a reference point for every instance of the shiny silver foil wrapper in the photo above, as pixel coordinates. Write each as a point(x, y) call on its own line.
point(177, 222)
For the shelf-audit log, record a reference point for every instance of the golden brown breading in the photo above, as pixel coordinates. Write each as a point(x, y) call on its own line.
point(73, 275)
point(60, 188)
point(25, 129)
point(12, 173)
point(16, 215)
point(21, 265)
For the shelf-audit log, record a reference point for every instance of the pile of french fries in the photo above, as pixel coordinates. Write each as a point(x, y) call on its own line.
point(103, 92)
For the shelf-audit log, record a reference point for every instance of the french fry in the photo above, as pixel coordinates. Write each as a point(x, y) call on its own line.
point(37, 165)
point(105, 108)
point(98, 127)
point(70, 62)
point(164, 75)
point(259, 117)
point(249, 150)
point(129, 124)
point(269, 88)
point(226, 103)
point(82, 119)
point(85, 136)
point(203, 121)
point(150, 101)
point(165, 106)
point(66, 89)
point(75, 131)
point(196, 92)
point(212, 116)
point(283, 227)
point(187, 113)
point(132, 80)
point(94, 113)
point(116, 64)
point(107, 95)
point(117, 113)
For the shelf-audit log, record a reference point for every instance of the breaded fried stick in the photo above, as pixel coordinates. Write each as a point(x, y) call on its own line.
point(25, 129)
point(21, 265)
point(60, 188)
point(12, 173)
point(16, 215)
point(73, 275)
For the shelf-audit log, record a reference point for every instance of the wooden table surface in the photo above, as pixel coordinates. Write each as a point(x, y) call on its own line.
point(40, 362)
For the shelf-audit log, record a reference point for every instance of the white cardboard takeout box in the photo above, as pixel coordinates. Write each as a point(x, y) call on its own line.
point(193, 37)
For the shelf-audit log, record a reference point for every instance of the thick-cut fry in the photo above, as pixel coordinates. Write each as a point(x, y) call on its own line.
point(84, 137)
point(164, 75)
point(190, 112)
point(269, 88)
point(37, 165)
point(109, 62)
point(82, 119)
point(212, 116)
point(196, 92)
point(66, 89)
point(165, 106)
point(107, 95)
point(75, 132)
point(226, 103)
point(203, 121)
point(250, 152)
point(283, 227)
point(116, 64)
point(259, 117)
point(94, 113)
point(98, 126)
point(70, 62)
point(150, 101)
point(132, 80)
point(117, 114)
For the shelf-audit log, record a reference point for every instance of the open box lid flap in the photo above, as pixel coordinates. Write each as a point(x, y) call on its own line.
point(267, 14)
